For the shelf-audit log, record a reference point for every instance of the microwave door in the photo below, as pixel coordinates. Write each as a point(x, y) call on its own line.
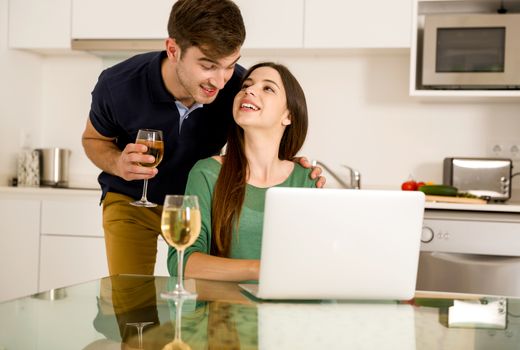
point(470, 50)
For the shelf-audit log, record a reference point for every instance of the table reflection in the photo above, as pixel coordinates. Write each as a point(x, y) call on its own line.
point(336, 326)
point(107, 314)
point(133, 302)
point(487, 313)
point(201, 324)
point(177, 342)
point(494, 323)
point(211, 325)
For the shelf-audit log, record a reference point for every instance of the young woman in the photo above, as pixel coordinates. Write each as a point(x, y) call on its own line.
point(271, 124)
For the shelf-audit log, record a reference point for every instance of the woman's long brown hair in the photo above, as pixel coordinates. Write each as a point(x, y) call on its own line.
point(230, 187)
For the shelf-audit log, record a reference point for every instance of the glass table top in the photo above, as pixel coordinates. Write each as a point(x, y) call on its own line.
point(127, 312)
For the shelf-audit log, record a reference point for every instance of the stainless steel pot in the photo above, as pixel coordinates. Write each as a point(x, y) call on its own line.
point(54, 167)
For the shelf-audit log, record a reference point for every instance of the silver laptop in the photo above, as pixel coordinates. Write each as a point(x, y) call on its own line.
point(339, 244)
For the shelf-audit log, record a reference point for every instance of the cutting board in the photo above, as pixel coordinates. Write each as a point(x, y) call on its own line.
point(447, 199)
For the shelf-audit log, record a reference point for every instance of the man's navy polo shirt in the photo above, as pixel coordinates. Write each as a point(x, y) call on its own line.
point(131, 95)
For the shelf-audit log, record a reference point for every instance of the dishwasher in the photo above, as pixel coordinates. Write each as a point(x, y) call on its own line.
point(467, 251)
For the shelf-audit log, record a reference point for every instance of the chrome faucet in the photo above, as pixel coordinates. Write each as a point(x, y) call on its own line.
point(355, 176)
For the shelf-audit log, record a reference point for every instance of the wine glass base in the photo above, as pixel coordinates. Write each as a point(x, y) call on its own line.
point(178, 294)
point(145, 204)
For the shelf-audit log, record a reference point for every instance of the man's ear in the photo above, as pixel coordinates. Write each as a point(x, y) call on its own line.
point(173, 50)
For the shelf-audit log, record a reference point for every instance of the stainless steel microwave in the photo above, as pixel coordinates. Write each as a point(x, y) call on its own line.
point(471, 51)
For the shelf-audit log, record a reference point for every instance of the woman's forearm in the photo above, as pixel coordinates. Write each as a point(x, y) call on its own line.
point(203, 266)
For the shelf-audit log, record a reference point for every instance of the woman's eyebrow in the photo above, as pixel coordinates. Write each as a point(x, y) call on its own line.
point(272, 81)
point(265, 80)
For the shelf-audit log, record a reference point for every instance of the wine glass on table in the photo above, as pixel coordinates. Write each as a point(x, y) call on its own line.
point(153, 139)
point(180, 226)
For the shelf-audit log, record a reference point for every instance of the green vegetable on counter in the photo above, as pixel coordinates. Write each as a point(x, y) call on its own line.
point(439, 190)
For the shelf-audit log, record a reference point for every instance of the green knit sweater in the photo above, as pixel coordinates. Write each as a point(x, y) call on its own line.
point(246, 243)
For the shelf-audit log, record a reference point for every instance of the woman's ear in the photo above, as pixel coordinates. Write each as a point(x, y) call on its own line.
point(286, 120)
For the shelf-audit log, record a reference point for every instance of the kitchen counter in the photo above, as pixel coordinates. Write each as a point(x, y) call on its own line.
point(507, 207)
point(108, 312)
point(512, 206)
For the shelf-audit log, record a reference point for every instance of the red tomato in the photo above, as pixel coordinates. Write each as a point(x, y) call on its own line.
point(409, 185)
point(419, 184)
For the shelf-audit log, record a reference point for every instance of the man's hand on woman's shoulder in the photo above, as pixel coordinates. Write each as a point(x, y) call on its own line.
point(315, 173)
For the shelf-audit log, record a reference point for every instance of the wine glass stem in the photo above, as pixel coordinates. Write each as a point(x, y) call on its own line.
point(180, 270)
point(145, 191)
point(140, 335)
point(178, 316)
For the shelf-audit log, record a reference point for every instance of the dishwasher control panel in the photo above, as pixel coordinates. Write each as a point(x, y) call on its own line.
point(471, 233)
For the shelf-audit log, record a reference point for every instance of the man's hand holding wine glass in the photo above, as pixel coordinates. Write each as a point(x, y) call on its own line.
point(128, 164)
point(152, 140)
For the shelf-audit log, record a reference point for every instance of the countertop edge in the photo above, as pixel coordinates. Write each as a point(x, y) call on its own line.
point(7, 190)
point(502, 208)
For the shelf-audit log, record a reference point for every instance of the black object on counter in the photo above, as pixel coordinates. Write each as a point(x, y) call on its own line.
point(13, 182)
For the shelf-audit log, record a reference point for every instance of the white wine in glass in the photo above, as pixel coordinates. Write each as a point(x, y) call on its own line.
point(180, 226)
point(153, 139)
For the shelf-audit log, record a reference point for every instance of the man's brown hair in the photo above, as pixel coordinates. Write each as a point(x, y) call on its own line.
point(216, 27)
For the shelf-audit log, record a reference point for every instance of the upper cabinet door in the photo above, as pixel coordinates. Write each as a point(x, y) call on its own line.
point(358, 24)
point(120, 19)
point(272, 23)
point(39, 24)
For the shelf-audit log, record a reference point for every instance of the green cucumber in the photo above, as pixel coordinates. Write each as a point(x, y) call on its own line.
point(439, 190)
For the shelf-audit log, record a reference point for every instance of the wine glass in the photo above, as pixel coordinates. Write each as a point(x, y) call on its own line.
point(180, 226)
point(177, 343)
point(140, 326)
point(153, 139)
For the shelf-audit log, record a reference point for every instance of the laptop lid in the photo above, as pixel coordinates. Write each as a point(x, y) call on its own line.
point(340, 244)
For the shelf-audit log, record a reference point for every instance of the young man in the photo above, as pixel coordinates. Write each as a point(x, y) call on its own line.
point(186, 91)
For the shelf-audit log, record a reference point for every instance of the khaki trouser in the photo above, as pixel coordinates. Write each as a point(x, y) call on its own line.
point(130, 235)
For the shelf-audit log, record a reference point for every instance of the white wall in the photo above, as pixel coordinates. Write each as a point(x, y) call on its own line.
point(67, 84)
point(20, 100)
point(360, 113)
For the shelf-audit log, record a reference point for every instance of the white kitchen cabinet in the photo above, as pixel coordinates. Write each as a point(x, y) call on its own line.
point(120, 19)
point(44, 26)
point(19, 234)
point(357, 24)
point(39, 25)
point(272, 23)
point(267, 23)
point(52, 24)
point(66, 260)
point(72, 216)
point(72, 244)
